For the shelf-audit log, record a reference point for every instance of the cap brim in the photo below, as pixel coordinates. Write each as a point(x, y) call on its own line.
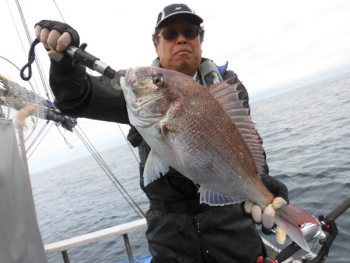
point(179, 13)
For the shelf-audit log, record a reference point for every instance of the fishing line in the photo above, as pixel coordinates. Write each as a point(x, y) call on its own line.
point(66, 23)
point(25, 54)
point(20, 70)
point(65, 140)
point(331, 202)
point(20, 97)
point(36, 137)
point(109, 173)
point(37, 62)
point(59, 11)
point(137, 160)
point(99, 159)
point(86, 142)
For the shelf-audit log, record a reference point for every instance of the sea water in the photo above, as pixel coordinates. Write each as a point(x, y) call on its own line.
point(306, 135)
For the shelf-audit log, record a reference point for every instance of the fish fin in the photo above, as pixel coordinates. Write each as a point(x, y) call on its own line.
point(154, 168)
point(289, 218)
point(228, 97)
point(212, 198)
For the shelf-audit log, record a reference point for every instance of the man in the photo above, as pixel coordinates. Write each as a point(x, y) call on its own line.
point(179, 228)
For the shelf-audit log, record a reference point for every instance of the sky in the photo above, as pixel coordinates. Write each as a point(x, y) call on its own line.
point(272, 45)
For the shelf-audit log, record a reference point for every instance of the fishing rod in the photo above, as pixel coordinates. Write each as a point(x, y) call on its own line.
point(9, 100)
point(322, 245)
point(79, 55)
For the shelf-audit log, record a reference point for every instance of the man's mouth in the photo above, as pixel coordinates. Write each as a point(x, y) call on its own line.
point(182, 51)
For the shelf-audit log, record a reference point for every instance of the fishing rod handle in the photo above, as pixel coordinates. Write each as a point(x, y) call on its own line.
point(81, 56)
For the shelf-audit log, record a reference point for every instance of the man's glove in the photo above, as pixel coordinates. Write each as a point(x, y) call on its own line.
point(267, 217)
point(56, 37)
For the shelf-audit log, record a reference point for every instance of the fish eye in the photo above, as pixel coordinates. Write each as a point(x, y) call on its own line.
point(158, 80)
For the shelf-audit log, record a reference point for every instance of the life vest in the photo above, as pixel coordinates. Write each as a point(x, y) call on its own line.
point(208, 72)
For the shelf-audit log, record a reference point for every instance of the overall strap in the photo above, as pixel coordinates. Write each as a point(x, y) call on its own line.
point(210, 73)
point(156, 63)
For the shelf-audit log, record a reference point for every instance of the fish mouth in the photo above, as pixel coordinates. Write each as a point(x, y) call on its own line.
point(128, 82)
point(130, 77)
point(143, 105)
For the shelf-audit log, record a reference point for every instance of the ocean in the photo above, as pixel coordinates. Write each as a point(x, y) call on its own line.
point(306, 135)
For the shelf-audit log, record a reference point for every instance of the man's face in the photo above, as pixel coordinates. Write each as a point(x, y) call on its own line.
point(181, 54)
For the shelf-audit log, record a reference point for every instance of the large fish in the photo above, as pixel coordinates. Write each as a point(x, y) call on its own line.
point(205, 134)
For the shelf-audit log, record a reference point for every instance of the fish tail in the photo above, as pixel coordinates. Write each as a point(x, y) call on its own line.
point(289, 218)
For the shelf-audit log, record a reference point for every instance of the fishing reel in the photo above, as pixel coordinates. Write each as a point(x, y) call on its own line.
point(312, 231)
point(324, 234)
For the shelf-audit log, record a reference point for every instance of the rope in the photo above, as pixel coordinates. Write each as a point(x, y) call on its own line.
point(86, 142)
point(19, 36)
point(18, 70)
point(109, 173)
point(101, 162)
point(90, 71)
point(59, 11)
point(137, 160)
point(37, 62)
point(65, 140)
point(36, 137)
point(31, 58)
point(41, 139)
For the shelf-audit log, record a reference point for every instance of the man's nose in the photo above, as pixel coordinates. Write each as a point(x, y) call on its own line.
point(181, 39)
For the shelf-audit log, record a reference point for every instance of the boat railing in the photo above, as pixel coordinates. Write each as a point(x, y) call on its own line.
point(123, 229)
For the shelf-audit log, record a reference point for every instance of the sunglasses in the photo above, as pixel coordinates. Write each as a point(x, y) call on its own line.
point(172, 34)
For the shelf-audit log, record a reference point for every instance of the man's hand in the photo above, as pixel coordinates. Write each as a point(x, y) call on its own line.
point(56, 37)
point(266, 217)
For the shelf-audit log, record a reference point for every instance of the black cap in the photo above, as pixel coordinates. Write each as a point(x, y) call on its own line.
point(176, 9)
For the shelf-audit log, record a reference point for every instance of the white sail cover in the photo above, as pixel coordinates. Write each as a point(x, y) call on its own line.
point(20, 239)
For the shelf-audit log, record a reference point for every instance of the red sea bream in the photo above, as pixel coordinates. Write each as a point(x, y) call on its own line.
point(207, 135)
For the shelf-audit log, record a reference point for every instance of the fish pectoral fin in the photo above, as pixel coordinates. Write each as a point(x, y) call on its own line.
point(154, 168)
point(164, 131)
point(212, 198)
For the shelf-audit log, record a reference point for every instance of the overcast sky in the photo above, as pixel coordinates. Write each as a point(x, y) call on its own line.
point(272, 45)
